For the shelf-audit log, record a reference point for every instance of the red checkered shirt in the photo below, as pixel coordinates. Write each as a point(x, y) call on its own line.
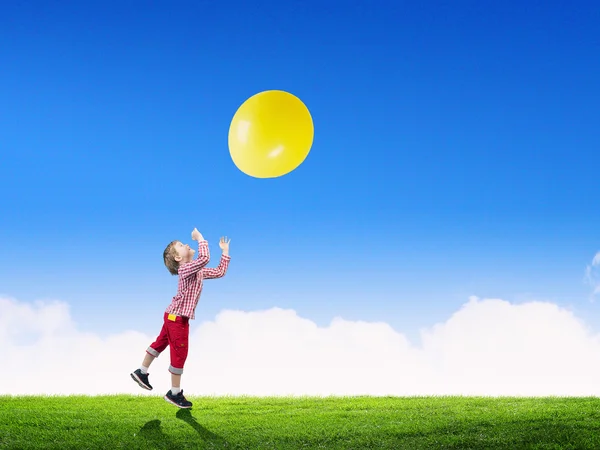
point(191, 276)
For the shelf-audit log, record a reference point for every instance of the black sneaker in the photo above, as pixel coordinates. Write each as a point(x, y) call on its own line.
point(141, 379)
point(178, 400)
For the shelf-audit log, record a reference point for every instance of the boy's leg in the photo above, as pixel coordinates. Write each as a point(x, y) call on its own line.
point(176, 383)
point(140, 376)
point(147, 361)
point(158, 346)
point(178, 332)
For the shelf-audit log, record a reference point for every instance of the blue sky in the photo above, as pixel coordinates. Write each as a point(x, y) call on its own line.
point(455, 154)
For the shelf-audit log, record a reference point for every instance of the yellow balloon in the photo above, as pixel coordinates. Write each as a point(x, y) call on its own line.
point(270, 134)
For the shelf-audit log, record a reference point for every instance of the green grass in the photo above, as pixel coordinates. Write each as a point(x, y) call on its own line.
point(132, 422)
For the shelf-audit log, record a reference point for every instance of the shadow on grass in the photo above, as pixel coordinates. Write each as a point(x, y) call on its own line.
point(151, 432)
point(206, 435)
point(157, 438)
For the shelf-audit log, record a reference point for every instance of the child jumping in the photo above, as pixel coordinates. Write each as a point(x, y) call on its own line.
point(179, 260)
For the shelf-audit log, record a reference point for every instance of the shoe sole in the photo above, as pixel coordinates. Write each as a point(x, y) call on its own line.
point(173, 403)
point(140, 382)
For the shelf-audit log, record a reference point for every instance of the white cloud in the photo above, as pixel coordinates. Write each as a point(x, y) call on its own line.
point(488, 347)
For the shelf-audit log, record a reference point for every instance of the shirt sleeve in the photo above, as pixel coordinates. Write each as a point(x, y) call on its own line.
point(219, 271)
point(201, 260)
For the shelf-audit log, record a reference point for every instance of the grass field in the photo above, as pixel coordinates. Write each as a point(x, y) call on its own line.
point(131, 422)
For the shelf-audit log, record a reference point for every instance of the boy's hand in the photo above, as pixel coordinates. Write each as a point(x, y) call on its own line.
point(224, 244)
point(196, 236)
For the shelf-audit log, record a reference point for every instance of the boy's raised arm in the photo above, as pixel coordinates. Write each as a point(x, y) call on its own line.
point(201, 260)
point(219, 271)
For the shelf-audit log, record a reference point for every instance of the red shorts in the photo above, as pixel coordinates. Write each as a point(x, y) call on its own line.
point(174, 333)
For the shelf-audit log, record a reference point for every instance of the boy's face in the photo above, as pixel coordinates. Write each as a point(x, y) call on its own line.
point(184, 252)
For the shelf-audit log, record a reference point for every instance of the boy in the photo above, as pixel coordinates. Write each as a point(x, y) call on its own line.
point(175, 331)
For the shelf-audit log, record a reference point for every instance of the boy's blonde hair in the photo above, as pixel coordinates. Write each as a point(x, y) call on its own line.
point(169, 257)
